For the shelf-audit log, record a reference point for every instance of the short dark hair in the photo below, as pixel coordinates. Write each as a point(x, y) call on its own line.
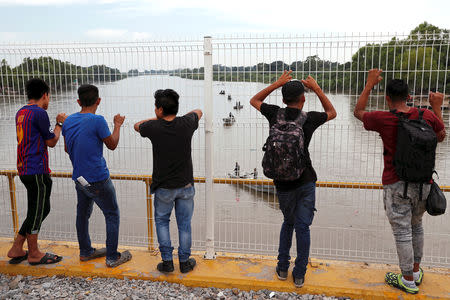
point(292, 91)
point(397, 90)
point(168, 100)
point(36, 88)
point(88, 94)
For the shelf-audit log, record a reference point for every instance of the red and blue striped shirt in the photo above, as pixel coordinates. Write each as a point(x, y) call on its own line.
point(33, 129)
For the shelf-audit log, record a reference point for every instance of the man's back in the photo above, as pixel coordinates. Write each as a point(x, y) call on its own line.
point(171, 140)
point(33, 129)
point(84, 134)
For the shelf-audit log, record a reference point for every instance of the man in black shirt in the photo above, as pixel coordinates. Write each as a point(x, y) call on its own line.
point(297, 197)
point(172, 179)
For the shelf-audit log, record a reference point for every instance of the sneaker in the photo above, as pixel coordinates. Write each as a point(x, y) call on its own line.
point(282, 275)
point(395, 280)
point(298, 282)
point(166, 266)
point(419, 281)
point(188, 265)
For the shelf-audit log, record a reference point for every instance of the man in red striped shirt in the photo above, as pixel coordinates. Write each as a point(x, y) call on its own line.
point(34, 134)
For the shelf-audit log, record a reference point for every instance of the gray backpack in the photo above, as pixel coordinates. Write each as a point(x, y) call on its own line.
point(284, 158)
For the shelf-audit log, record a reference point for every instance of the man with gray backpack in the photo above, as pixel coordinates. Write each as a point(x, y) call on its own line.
point(287, 161)
point(410, 136)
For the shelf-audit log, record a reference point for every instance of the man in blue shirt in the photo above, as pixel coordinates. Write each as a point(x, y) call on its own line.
point(84, 135)
point(34, 135)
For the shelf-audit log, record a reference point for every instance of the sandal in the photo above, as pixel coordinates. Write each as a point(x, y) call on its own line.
point(124, 257)
point(48, 259)
point(18, 259)
point(96, 254)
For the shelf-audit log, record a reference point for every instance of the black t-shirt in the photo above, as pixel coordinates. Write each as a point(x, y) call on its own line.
point(172, 160)
point(313, 121)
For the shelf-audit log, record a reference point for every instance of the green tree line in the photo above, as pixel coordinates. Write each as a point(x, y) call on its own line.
point(58, 74)
point(422, 59)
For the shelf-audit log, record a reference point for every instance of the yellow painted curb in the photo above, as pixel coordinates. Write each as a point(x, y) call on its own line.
point(331, 278)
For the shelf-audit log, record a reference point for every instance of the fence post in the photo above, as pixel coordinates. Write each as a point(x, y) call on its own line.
point(150, 233)
point(12, 196)
point(209, 197)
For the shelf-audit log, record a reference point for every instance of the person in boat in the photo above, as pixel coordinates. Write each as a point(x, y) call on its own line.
point(237, 169)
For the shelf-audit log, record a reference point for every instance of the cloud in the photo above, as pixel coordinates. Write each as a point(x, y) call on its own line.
point(56, 2)
point(8, 36)
point(295, 16)
point(116, 34)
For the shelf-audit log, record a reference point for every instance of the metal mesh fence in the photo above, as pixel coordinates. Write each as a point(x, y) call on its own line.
point(350, 223)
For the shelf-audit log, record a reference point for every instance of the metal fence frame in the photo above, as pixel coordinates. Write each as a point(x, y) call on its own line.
point(211, 48)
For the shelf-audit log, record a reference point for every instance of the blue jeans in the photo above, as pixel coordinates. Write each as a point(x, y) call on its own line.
point(104, 195)
point(298, 208)
point(183, 199)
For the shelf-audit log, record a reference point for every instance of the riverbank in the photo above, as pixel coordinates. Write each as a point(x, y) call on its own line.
point(245, 273)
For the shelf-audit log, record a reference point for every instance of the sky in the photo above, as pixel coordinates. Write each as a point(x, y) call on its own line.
point(131, 20)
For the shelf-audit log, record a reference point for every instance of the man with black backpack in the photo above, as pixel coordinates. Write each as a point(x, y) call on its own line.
point(409, 138)
point(287, 162)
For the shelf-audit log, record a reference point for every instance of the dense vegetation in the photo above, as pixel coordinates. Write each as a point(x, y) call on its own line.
point(422, 58)
point(56, 73)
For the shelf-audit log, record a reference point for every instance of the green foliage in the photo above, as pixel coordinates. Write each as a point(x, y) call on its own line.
point(421, 59)
point(56, 73)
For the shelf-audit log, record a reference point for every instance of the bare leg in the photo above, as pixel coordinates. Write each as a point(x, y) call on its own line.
point(17, 247)
point(34, 254)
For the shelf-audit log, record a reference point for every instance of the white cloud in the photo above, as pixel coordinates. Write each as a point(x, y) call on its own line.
point(295, 15)
point(55, 2)
point(8, 36)
point(116, 34)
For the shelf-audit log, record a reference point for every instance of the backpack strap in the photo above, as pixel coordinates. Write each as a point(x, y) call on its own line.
point(420, 191)
point(301, 118)
point(398, 114)
point(421, 111)
point(281, 115)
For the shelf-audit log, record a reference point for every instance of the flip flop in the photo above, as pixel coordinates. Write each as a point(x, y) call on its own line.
point(96, 254)
point(124, 257)
point(18, 259)
point(48, 259)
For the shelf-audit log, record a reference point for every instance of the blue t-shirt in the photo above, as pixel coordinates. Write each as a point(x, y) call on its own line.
point(33, 129)
point(83, 135)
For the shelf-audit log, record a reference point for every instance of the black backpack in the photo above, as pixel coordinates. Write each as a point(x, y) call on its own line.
point(416, 149)
point(284, 158)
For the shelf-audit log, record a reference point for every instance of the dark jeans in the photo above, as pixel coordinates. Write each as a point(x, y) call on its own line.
point(183, 199)
point(104, 195)
point(298, 208)
point(39, 188)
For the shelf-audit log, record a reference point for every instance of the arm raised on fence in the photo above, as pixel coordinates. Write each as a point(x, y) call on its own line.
point(436, 100)
point(112, 141)
point(311, 83)
point(138, 124)
point(373, 79)
point(258, 99)
point(198, 112)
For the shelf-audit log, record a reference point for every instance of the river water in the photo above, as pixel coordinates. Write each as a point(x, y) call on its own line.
point(349, 223)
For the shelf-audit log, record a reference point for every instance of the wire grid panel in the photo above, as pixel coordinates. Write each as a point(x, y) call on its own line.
point(349, 223)
point(127, 75)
